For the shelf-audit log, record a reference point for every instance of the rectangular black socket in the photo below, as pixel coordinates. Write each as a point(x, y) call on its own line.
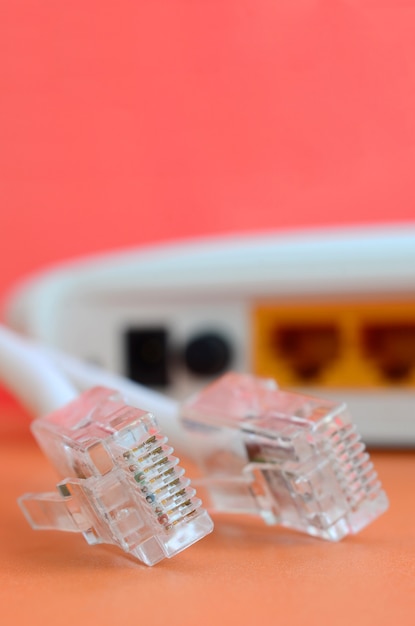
point(147, 356)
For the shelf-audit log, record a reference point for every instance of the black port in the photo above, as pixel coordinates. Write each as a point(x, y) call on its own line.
point(208, 354)
point(308, 348)
point(147, 356)
point(392, 347)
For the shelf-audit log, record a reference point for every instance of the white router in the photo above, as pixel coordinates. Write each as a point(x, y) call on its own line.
point(330, 313)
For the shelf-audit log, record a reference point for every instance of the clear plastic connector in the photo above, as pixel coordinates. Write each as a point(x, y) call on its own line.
point(121, 483)
point(295, 460)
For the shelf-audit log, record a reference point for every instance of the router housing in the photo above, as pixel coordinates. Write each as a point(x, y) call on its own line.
point(329, 313)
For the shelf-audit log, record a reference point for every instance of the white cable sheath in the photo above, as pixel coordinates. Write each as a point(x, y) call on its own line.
point(31, 376)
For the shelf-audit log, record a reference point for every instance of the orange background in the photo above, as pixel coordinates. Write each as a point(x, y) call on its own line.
point(128, 122)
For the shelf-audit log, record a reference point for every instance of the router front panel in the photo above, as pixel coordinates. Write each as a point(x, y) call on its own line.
point(359, 350)
point(338, 343)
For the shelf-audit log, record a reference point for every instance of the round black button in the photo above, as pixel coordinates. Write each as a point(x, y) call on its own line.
point(207, 354)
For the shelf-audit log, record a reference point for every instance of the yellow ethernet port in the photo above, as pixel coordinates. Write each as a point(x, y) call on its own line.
point(392, 348)
point(341, 344)
point(309, 348)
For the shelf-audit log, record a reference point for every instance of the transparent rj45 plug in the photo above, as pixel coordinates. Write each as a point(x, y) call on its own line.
point(295, 460)
point(121, 483)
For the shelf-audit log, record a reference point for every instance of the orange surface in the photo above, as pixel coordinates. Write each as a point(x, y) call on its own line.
point(241, 574)
point(124, 122)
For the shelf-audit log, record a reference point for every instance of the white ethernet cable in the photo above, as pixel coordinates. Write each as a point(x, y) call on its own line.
point(31, 376)
point(294, 460)
point(120, 482)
